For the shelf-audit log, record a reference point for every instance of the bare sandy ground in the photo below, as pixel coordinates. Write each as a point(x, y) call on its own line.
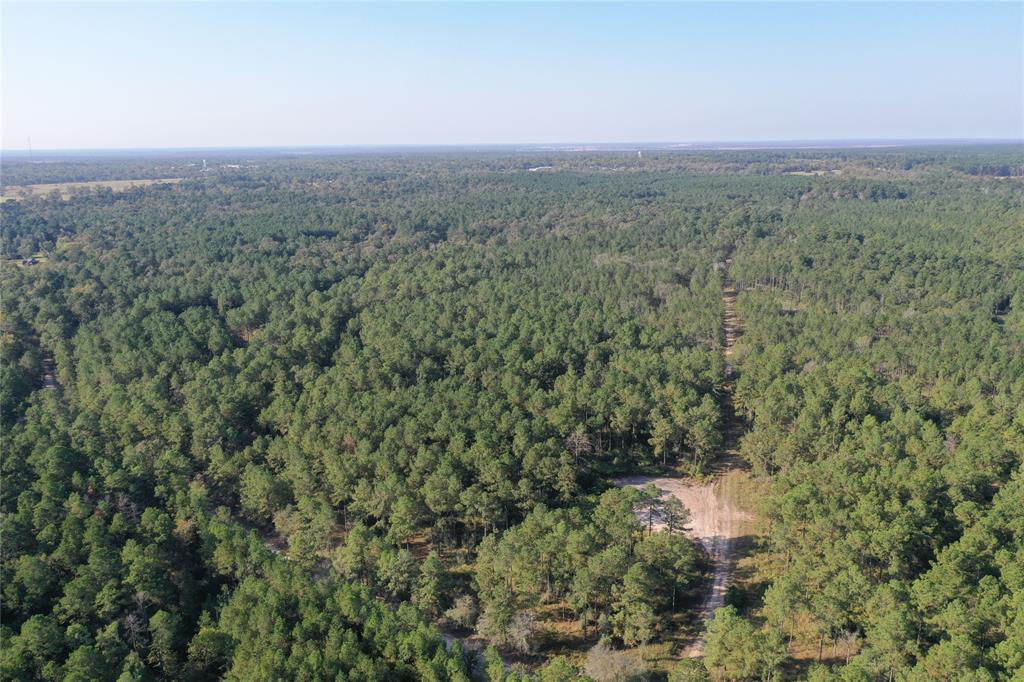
point(716, 522)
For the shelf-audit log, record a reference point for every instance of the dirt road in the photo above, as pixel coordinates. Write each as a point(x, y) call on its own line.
point(49, 370)
point(716, 519)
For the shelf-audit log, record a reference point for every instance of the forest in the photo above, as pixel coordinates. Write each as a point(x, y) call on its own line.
point(366, 416)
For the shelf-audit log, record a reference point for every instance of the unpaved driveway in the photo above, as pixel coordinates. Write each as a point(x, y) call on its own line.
point(716, 522)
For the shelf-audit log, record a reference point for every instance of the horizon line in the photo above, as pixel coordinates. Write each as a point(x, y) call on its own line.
point(544, 146)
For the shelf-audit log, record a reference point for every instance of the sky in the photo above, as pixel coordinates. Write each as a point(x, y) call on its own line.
point(112, 76)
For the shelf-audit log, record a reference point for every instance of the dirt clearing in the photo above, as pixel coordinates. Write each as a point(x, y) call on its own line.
point(716, 522)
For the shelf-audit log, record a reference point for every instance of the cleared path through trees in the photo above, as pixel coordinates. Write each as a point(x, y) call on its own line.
point(716, 519)
point(49, 369)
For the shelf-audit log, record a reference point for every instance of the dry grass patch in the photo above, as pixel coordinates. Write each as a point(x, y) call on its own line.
point(67, 189)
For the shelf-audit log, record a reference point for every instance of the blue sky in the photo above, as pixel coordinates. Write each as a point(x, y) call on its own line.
point(246, 74)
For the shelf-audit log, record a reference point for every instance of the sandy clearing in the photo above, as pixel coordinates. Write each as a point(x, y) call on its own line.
point(716, 522)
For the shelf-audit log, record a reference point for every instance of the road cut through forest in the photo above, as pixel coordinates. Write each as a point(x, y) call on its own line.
point(717, 520)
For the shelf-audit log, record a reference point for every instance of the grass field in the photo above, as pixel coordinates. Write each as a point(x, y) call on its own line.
point(67, 188)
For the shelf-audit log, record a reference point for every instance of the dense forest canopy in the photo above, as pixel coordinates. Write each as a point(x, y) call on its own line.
point(320, 416)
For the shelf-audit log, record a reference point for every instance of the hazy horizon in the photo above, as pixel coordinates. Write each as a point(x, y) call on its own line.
point(217, 76)
point(631, 146)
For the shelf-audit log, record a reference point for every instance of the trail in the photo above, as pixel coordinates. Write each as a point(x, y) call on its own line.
point(716, 520)
point(732, 427)
point(49, 368)
point(725, 517)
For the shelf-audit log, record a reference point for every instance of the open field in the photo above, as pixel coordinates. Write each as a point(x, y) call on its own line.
point(67, 188)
